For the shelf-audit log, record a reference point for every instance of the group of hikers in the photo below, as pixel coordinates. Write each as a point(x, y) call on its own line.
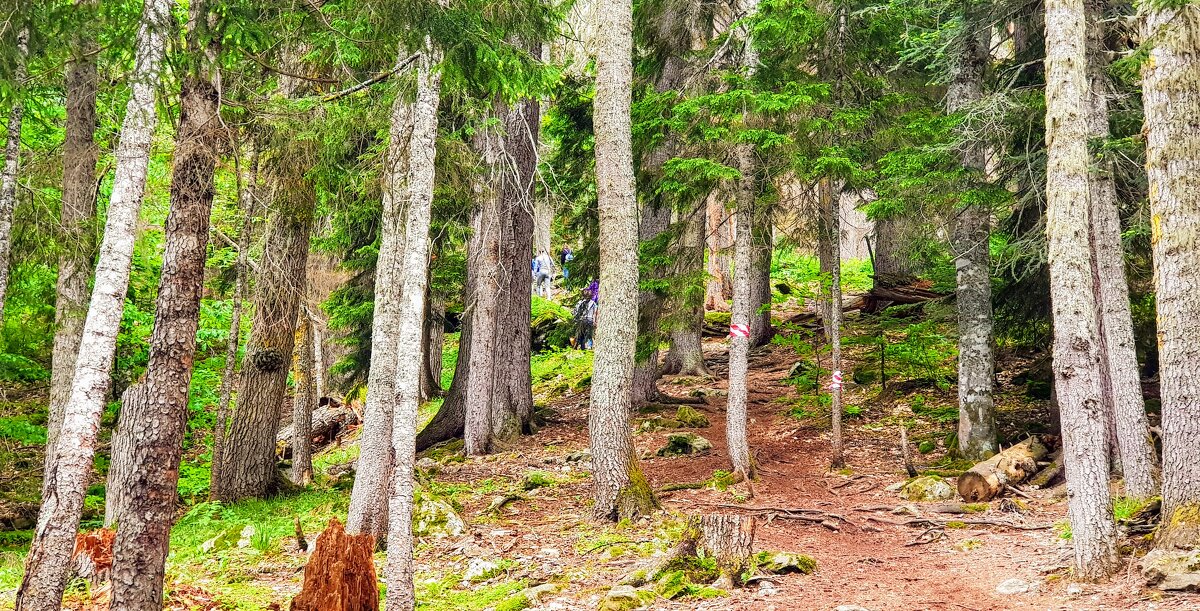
point(584, 312)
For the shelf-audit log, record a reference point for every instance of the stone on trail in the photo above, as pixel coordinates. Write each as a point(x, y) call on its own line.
point(780, 563)
point(433, 517)
point(691, 418)
point(679, 444)
point(479, 569)
point(1172, 569)
point(927, 488)
point(1009, 587)
point(620, 598)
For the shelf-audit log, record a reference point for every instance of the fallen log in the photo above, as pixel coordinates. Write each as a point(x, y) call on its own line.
point(1046, 476)
point(987, 479)
point(327, 422)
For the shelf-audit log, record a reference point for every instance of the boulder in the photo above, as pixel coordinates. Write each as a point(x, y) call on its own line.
point(927, 488)
point(679, 444)
point(433, 517)
point(785, 562)
point(1172, 569)
point(691, 418)
point(620, 598)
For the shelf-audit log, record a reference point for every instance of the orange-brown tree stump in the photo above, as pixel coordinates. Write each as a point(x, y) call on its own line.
point(340, 575)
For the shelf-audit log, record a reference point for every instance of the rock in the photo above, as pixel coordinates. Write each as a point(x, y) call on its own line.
point(656, 423)
point(1074, 589)
point(580, 456)
point(479, 569)
point(224, 540)
point(850, 608)
point(691, 418)
point(247, 535)
point(620, 598)
point(895, 487)
point(549, 552)
point(927, 488)
point(536, 594)
point(679, 444)
point(1010, 587)
point(766, 588)
point(780, 563)
point(426, 463)
point(1172, 569)
point(433, 517)
point(905, 510)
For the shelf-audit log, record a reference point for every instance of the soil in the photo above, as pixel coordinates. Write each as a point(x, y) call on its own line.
point(864, 562)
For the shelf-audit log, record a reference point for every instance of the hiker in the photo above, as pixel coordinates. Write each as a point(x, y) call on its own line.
point(585, 321)
point(543, 271)
point(593, 289)
point(566, 255)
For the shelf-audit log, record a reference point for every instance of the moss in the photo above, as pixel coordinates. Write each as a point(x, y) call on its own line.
point(636, 499)
point(515, 603)
point(1186, 515)
point(955, 524)
point(691, 418)
point(785, 562)
point(976, 507)
point(448, 451)
point(694, 569)
point(537, 479)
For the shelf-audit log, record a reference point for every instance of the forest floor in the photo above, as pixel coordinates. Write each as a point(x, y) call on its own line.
point(527, 511)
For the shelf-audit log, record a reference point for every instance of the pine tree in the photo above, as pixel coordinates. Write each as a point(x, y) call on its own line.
point(12, 160)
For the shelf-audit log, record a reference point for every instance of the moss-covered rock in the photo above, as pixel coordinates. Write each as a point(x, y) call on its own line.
point(780, 563)
point(927, 488)
point(691, 418)
point(679, 444)
point(1172, 569)
point(620, 598)
point(433, 517)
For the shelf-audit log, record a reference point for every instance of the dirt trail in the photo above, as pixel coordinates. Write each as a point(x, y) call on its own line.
point(864, 564)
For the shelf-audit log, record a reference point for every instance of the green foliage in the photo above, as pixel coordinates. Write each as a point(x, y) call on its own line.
point(22, 431)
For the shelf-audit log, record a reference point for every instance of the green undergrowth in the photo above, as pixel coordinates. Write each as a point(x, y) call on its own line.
point(445, 593)
point(556, 372)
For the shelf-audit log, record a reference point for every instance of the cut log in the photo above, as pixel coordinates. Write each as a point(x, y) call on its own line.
point(327, 422)
point(1046, 477)
point(986, 480)
point(340, 575)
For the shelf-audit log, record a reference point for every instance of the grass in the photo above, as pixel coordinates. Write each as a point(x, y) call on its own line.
point(802, 272)
point(557, 371)
point(443, 593)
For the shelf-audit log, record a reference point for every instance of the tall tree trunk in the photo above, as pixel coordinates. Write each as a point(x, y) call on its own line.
point(484, 255)
point(368, 499)
point(411, 310)
point(248, 462)
point(893, 265)
point(431, 345)
point(12, 159)
point(149, 440)
point(49, 557)
point(746, 256)
point(303, 402)
point(1122, 387)
point(448, 422)
point(972, 225)
point(512, 395)
point(1077, 355)
point(656, 219)
point(831, 266)
point(1171, 99)
point(760, 279)
point(318, 353)
point(621, 491)
point(240, 271)
point(78, 213)
point(686, 355)
point(721, 228)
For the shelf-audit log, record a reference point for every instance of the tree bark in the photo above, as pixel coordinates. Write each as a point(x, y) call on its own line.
point(1077, 356)
point(340, 575)
point(1171, 101)
point(368, 499)
point(154, 413)
point(512, 394)
point(721, 228)
point(972, 225)
point(80, 154)
point(431, 346)
point(830, 248)
point(621, 491)
point(303, 402)
point(686, 355)
point(240, 271)
point(411, 310)
point(248, 461)
point(760, 279)
point(654, 222)
point(49, 556)
point(1122, 387)
point(12, 160)
point(893, 265)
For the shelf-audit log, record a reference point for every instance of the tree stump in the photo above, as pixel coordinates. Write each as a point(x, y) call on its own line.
point(729, 539)
point(340, 575)
point(987, 479)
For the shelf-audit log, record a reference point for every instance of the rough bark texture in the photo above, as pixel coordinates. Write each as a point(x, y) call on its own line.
point(760, 278)
point(411, 310)
point(686, 355)
point(50, 552)
point(832, 261)
point(893, 266)
point(720, 230)
point(78, 213)
point(340, 574)
point(1122, 387)
point(149, 439)
point(986, 480)
point(972, 225)
point(326, 423)
point(729, 540)
point(512, 394)
point(240, 271)
point(621, 491)
point(646, 372)
point(448, 422)
point(1171, 100)
point(12, 159)
point(368, 500)
point(432, 338)
point(303, 402)
point(1077, 368)
point(249, 458)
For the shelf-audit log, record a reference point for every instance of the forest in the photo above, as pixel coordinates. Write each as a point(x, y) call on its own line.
point(838, 305)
